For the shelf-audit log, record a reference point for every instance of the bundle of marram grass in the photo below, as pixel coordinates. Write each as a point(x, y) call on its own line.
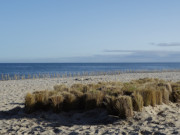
point(118, 98)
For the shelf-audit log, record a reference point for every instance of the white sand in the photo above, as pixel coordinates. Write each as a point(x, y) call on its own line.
point(160, 120)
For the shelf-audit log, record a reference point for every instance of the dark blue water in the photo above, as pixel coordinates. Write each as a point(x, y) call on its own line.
point(62, 68)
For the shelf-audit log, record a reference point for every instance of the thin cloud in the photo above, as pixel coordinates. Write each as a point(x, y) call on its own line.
point(166, 44)
point(140, 51)
point(144, 55)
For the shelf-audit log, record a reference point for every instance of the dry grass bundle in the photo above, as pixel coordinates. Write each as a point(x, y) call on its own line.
point(61, 88)
point(108, 102)
point(175, 96)
point(95, 87)
point(129, 86)
point(99, 99)
point(166, 86)
point(76, 93)
point(175, 86)
point(122, 106)
point(77, 86)
point(42, 99)
point(165, 96)
point(149, 97)
point(69, 101)
point(118, 98)
point(90, 101)
point(112, 91)
point(159, 97)
point(79, 102)
point(93, 100)
point(169, 88)
point(137, 101)
point(57, 102)
point(29, 102)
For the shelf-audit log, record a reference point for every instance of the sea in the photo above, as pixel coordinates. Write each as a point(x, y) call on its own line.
point(29, 70)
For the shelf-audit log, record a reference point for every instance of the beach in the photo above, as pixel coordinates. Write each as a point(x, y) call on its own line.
point(160, 120)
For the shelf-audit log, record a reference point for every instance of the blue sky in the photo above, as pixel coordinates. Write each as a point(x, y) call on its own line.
point(89, 31)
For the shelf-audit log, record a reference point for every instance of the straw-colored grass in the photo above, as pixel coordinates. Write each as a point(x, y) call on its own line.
point(137, 101)
point(56, 102)
point(149, 97)
point(118, 98)
point(120, 106)
point(30, 102)
point(61, 88)
point(159, 97)
point(69, 101)
point(175, 95)
point(109, 103)
point(123, 106)
point(93, 100)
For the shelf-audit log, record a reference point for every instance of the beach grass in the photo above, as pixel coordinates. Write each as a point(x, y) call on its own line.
point(118, 98)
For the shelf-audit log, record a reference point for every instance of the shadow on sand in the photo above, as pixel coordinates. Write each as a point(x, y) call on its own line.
point(92, 117)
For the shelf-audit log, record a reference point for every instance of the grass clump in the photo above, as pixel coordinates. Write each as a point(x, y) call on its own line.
point(159, 97)
point(29, 102)
point(137, 101)
point(41, 99)
point(165, 96)
point(116, 97)
point(121, 106)
point(60, 88)
point(69, 101)
point(93, 100)
point(56, 102)
point(175, 95)
point(149, 97)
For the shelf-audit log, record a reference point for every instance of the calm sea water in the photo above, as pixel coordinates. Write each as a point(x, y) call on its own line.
point(62, 68)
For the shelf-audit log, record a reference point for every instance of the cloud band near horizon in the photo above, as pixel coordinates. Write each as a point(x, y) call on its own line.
point(166, 44)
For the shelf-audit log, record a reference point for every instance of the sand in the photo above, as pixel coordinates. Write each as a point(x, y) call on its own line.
point(159, 120)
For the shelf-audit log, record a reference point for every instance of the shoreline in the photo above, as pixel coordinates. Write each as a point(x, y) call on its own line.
point(7, 77)
point(13, 119)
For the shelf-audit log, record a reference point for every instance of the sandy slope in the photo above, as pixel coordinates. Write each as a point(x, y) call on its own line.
point(163, 119)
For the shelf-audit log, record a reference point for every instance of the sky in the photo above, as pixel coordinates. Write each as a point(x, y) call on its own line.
point(89, 31)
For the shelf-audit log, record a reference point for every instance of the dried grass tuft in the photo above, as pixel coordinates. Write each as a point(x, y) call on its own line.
point(149, 97)
point(57, 102)
point(118, 98)
point(61, 88)
point(137, 101)
point(123, 107)
point(29, 102)
point(69, 101)
point(41, 99)
point(93, 100)
point(159, 98)
point(165, 96)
